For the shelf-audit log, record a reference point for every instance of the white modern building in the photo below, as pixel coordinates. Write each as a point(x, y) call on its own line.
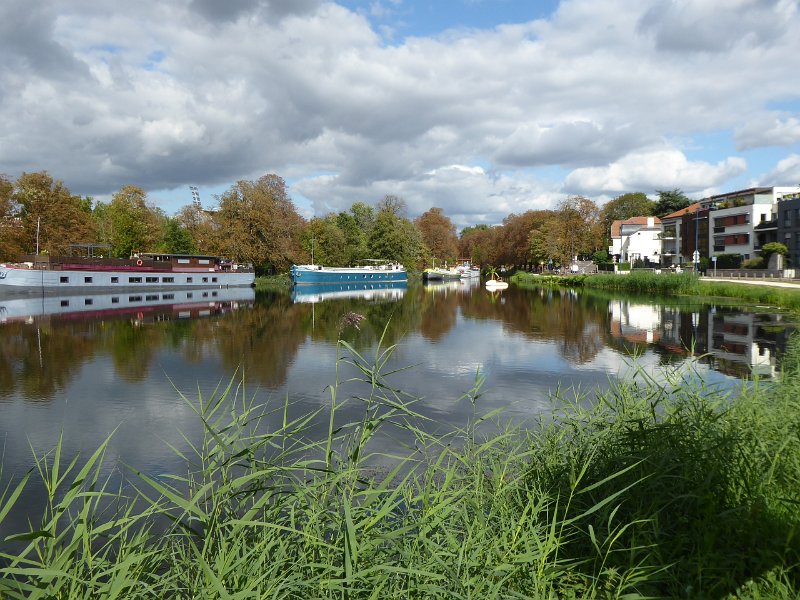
point(637, 238)
point(736, 214)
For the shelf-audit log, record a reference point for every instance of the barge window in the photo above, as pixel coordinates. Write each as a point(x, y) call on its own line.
point(65, 303)
point(203, 261)
point(190, 295)
point(134, 280)
point(151, 279)
point(134, 298)
point(213, 294)
point(213, 280)
point(205, 294)
point(87, 301)
point(114, 299)
point(168, 280)
point(115, 280)
point(64, 280)
point(188, 280)
point(205, 279)
point(87, 280)
point(151, 297)
point(168, 296)
point(183, 261)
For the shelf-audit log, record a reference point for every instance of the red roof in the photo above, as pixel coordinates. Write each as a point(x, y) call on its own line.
point(684, 211)
point(617, 225)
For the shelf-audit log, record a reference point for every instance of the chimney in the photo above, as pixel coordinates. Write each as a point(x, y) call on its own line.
point(651, 222)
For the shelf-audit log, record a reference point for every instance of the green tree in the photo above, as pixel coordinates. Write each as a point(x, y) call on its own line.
point(438, 234)
point(669, 201)
point(356, 226)
point(395, 238)
point(177, 239)
point(634, 204)
point(259, 224)
point(329, 243)
point(133, 225)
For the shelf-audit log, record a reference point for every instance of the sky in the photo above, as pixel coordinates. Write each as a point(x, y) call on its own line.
point(480, 107)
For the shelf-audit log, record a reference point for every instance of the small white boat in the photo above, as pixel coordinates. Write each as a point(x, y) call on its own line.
point(496, 284)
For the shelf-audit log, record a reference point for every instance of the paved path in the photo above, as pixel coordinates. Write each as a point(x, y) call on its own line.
point(784, 283)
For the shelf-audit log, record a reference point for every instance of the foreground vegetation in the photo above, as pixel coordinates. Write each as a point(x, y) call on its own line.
point(652, 488)
point(682, 284)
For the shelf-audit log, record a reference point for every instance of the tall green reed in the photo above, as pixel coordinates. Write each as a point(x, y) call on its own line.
point(661, 487)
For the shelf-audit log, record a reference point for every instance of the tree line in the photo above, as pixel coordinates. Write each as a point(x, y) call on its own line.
point(256, 222)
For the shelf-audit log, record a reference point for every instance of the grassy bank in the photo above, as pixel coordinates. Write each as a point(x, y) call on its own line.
point(683, 284)
point(657, 490)
point(273, 282)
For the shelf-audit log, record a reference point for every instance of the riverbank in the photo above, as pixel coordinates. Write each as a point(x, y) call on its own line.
point(659, 490)
point(783, 294)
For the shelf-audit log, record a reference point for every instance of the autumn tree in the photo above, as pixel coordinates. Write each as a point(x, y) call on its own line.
point(478, 243)
point(514, 242)
point(438, 234)
point(579, 228)
point(61, 218)
point(543, 239)
point(132, 225)
point(200, 225)
point(10, 226)
point(258, 224)
point(669, 201)
point(634, 204)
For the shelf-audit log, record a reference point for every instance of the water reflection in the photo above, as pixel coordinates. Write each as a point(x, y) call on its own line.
point(89, 368)
point(736, 343)
point(386, 290)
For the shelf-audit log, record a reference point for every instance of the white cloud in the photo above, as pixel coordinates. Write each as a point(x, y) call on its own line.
point(768, 131)
point(167, 95)
point(786, 172)
point(660, 169)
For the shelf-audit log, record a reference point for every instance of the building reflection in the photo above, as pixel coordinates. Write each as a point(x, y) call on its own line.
point(732, 342)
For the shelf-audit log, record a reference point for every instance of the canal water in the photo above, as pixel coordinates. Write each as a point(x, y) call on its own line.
point(86, 366)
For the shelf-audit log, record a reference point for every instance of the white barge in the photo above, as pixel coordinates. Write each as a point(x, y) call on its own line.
point(141, 271)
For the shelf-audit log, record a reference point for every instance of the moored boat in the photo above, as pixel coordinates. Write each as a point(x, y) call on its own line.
point(372, 271)
point(142, 270)
point(441, 274)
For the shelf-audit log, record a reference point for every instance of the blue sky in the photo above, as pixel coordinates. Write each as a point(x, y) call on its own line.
point(482, 108)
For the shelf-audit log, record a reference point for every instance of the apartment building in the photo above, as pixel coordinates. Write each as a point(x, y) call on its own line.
point(738, 214)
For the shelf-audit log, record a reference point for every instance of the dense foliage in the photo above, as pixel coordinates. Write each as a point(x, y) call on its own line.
point(257, 222)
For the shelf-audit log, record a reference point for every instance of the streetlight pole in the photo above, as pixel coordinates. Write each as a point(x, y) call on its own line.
point(696, 237)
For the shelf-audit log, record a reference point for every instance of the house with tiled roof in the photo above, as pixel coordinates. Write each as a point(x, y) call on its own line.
point(637, 238)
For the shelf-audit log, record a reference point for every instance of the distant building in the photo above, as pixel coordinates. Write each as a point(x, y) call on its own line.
point(637, 238)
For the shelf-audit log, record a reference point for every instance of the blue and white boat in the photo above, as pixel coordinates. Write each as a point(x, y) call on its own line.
point(373, 271)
